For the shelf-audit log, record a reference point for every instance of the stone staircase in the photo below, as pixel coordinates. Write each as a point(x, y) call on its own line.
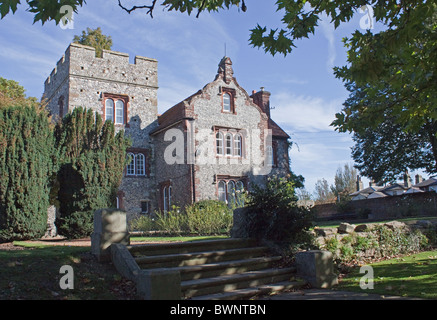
point(227, 269)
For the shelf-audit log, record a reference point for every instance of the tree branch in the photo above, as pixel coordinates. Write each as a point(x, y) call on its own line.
point(150, 8)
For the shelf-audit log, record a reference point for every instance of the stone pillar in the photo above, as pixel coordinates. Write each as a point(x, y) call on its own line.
point(316, 267)
point(110, 226)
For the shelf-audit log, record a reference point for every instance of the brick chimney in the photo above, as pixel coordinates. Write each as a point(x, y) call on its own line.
point(262, 99)
point(359, 183)
point(407, 180)
point(419, 178)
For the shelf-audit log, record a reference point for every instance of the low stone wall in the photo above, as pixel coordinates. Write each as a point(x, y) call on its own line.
point(415, 204)
point(323, 235)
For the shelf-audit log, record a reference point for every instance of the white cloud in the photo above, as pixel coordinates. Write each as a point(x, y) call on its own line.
point(328, 31)
point(303, 113)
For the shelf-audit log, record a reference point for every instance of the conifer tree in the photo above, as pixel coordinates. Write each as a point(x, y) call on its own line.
point(93, 160)
point(27, 162)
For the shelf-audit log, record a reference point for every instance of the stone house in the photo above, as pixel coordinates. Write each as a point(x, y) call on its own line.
point(209, 146)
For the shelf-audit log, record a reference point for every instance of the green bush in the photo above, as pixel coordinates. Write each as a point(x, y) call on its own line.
point(27, 164)
point(173, 221)
point(274, 214)
point(143, 223)
point(209, 217)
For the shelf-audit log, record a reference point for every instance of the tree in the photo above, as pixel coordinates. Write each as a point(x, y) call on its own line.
point(91, 169)
point(323, 191)
point(27, 163)
point(12, 93)
point(344, 182)
point(94, 38)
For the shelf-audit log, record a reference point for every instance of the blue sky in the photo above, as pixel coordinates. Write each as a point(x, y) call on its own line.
point(305, 93)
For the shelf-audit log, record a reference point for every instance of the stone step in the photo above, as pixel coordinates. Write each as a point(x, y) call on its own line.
point(248, 293)
point(188, 247)
point(227, 283)
point(197, 258)
point(192, 272)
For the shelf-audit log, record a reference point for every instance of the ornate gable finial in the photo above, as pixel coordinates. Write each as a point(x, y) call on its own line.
point(225, 69)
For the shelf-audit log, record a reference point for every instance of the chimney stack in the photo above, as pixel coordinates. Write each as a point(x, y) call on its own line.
point(262, 99)
point(407, 180)
point(359, 183)
point(419, 178)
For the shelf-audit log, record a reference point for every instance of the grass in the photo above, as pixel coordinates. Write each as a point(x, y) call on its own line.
point(177, 238)
point(33, 272)
point(408, 276)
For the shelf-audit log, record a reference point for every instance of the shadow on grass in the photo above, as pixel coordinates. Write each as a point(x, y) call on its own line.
point(409, 276)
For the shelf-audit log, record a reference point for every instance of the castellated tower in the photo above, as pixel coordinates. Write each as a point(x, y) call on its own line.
point(119, 91)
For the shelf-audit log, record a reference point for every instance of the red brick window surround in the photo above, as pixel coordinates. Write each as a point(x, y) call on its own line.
point(228, 103)
point(115, 108)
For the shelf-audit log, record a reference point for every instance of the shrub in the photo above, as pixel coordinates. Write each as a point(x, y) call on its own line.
point(27, 163)
point(209, 217)
point(173, 221)
point(274, 214)
point(142, 223)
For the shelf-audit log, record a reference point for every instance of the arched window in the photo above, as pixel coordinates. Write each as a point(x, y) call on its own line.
point(169, 196)
point(238, 151)
point(239, 193)
point(231, 192)
point(226, 102)
point(228, 144)
point(222, 191)
point(119, 112)
point(269, 156)
point(140, 164)
point(109, 109)
point(130, 169)
point(219, 143)
point(165, 198)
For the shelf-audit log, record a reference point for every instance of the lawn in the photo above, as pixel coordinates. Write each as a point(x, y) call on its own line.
point(31, 271)
point(408, 276)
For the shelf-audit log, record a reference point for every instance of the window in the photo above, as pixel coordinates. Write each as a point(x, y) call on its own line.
point(237, 145)
point(109, 109)
point(269, 156)
point(166, 198)
point(144, 207)
point(219, 143)
point(227, 102)
point(229, 144)
point(136, 165)
point(140, 164)
point(130, 169)
point(119, 112)
point(222, 191)
point(115, 108)
point(230, 191)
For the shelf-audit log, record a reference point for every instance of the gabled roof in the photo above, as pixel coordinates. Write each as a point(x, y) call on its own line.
point(366, 191)
point(394, 186)
point(277, 130)
point(426, 183)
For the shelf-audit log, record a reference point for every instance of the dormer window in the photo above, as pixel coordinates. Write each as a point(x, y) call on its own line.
point(228, 96)
point(226, 102)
